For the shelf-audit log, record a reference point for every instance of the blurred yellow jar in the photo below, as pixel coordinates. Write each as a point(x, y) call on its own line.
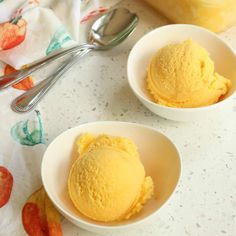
point(216, 15)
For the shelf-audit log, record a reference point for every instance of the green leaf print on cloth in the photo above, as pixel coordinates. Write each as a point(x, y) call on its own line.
point(60, 37)
point(29, 132)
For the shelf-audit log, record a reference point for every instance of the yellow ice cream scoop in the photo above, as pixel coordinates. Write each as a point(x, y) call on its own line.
point(107, 181)
point(182, 75)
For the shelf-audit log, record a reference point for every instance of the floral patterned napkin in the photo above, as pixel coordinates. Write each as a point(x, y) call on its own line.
point(29, 30)
point(35, 29)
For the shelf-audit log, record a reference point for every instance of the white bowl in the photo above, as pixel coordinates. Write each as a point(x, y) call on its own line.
point(158, 155)
point(139, 58)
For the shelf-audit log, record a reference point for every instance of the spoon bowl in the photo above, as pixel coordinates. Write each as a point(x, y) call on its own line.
point(112, 28)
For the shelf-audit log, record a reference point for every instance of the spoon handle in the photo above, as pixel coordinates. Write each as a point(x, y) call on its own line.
point(13, 78)
point(28, 100)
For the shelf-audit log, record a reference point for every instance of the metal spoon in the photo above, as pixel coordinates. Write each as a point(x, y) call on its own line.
point(108, 31)
point(13, 78)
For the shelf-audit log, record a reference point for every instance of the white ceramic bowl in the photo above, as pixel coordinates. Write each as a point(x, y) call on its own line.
point(139, 58)
point(158, 155)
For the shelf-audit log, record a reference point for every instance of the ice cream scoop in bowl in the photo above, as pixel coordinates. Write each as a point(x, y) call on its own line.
point(158, 155)
point(202, 70)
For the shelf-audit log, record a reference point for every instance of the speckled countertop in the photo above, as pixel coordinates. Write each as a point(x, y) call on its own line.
point(97, 89)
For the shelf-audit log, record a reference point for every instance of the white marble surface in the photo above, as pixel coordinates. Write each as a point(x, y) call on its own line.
point(97, 89)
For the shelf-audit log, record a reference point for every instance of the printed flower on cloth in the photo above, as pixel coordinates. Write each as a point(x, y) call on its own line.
point(39, 216)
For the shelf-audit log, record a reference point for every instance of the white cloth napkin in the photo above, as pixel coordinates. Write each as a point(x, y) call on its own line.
point(39, 29)
point(50, 25)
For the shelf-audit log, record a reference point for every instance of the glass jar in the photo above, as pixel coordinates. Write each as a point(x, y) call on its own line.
point(216, 15)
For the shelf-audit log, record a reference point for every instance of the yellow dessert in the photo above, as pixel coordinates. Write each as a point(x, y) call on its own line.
point(216, 15)
point(182, 75)
point(107, 181)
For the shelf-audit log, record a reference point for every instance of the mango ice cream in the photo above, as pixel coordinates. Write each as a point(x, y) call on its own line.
point(182, 75)
point(107, 181)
